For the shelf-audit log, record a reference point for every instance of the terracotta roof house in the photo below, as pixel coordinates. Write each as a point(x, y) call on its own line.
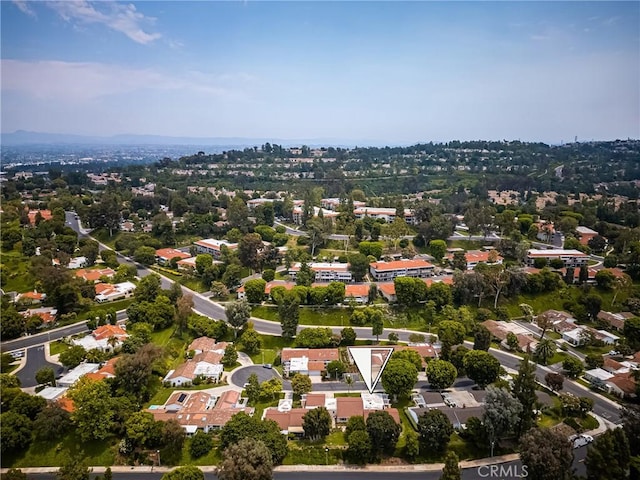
point(205, 365)
point(615, 320)
point(94, 275)
point(313, 400)
point(106, 292)
point(348, 407)
point(307, 361)
point(387, 271)
point(31, 298)
point(359, 293)
point(164, 255)
point(47, 314)
point(108, 370)
point(388, 291)
point(45, 214)
point(206, 344)
point(585, 234)
point(288, 421)
point(200, 410)
point(623, 385)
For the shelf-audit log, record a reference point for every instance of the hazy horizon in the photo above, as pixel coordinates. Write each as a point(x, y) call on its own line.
point(351, 72)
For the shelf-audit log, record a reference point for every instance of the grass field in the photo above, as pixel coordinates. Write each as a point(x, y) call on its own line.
point(57, 347)
point(55, 453)
point(15, 272)
point(189, 282)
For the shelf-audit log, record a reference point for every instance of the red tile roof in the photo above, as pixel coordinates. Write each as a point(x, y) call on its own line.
point(313, 354)
point(108, 331)
point(351, 290)
point(347, 407)
point(400, 265)
point(94, 274)
point(169, 253)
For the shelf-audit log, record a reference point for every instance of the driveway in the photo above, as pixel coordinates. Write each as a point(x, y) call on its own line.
point(241, 375)
point(35, 360)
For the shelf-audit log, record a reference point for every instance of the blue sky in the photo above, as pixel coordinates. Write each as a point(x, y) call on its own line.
point(376, 71)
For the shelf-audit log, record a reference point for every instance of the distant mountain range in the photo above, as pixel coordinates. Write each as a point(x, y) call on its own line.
point(23, 137)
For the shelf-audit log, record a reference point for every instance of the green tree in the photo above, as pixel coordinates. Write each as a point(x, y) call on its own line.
point(441, 374)
point(148, 288)
point(73, 356)
point(435, 430)
point(188, 472)
point(46, 376)
point(252, 389)
point(238, 314)
point(411, 444)
point(251, 341)
point(359, 449)
point(358, 266)
point(377, 326)
point(348, 336)
point(438, 249)
point(512, 342)
point(243, 426)
point(450, 333)
point(336, 368)
point(631, 331)
point(230, 357)
point(609, 456)
point(547, 454)
point(593, 360)
point(545, 349)
point(481, 338)
point(524, 390)
point(301, 384)
point(451, 470)
point(94, 409)
point(203, 262)
point(247, 460)
point(15, 429)
point(134, 372)
point(183, 310)
point(289, 314)
point(481, 367)
point(572, 366)
point(501, 413)
point(201, 444)
point(399, 377)
point(383, 432)
point(554, 381)
point(254, 290)
point(316, 423)
point(409, 355)
point(74, 468)
point(53, 422)
point(14, 474)
point(141, 429)
point(145, 255)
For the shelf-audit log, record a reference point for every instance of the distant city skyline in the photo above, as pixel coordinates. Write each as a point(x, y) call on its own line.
point(384, 72)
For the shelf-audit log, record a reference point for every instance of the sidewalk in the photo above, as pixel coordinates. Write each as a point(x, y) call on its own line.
point(422, 467)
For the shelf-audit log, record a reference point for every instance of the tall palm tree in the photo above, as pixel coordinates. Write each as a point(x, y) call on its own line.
point(545, 350)
point(348, 379)
point(112, 341)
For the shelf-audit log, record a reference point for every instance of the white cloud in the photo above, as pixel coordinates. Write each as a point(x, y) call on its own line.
point(24, 7)
point(81, 82)
point(116, 16)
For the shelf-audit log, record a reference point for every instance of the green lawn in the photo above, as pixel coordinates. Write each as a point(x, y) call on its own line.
point(303, 452)
point(105, 307)
point(162, 337)
point(189, 282)
point(163, 393)
point(102, 235)
point(15, 272)
point(57, 347)
point(55, 453)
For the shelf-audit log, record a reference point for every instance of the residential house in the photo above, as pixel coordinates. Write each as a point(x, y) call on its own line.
point(289, 421)
point(47, 314)
point(585, 234)
point(108, 370)
point(298, 214)
point(201, 410)
point(387, 271)
point(388, 291)
point(214, 247)
point(598, 377)
point(206, 344)
point(307, 361)
point(615, 320)
point(500, 330)
point(474, 257)
point(334, 203)
point(74, 263)
point(358, 293)
point(570, 258)
point(347, 407)
point(104, 338)
point(206, 365)
point(164, 255)
point(94, 275)
point(31, 298)
point(325, 272)
point(44, 214)
point(386, 214)
point(106, 292)
point(623, 385)
point(77, 373)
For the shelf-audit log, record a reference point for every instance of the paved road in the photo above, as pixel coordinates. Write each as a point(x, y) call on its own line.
point(35, 359)
point(241, 375)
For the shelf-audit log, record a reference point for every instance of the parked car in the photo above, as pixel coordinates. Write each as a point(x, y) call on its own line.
point(580, 440)
point(267, 365)
point(613, 352)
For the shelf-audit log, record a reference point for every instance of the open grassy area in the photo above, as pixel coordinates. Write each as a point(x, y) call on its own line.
point(308, 316)
point(102, 235)
point(189, 282)
point(211, 458)
point(105, 307)
point(303, 452)
point(55, 452)
point(271, 345)
point(15, 272)
point(57, 347)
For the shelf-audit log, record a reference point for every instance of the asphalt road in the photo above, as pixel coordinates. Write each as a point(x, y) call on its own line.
point(35, 359)
point(507, 471)
point(241, 375)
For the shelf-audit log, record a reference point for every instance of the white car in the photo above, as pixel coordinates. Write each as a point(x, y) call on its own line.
point(580, 440)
